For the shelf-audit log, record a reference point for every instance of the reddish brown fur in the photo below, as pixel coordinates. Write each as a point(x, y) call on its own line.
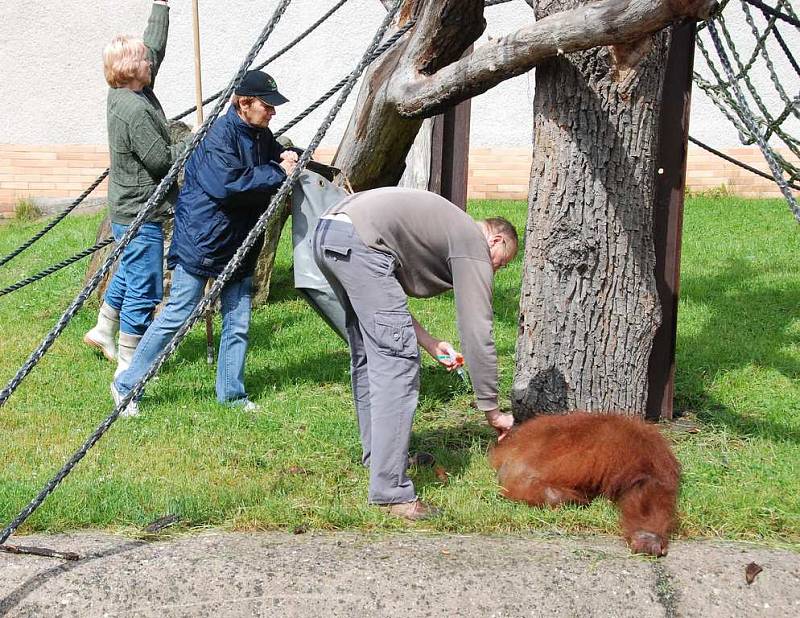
point(551, 460)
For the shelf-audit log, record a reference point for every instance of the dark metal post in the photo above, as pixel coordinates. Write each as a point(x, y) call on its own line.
point(455, 158)
point(668, 214)
point(450, 154)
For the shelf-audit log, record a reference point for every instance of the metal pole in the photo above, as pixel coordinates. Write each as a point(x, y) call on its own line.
point(198, 95)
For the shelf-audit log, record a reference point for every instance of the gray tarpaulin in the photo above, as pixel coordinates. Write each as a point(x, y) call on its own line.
point(312, 195)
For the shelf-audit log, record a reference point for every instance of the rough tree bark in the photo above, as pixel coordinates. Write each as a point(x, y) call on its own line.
point(373, 150)
point(589, 307)
point(426, 73)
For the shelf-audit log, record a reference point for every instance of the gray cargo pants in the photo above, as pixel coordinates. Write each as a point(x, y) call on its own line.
point(384, 357)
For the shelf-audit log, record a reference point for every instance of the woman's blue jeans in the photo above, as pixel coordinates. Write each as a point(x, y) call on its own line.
point(138, 285)
point(187, 290)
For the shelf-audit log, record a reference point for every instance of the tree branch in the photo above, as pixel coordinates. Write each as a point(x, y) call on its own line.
point(606, 22)
point(445, 29)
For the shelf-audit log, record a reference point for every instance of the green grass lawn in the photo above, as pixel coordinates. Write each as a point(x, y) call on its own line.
point(297, 462)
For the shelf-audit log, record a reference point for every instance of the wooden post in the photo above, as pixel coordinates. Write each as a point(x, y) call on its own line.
point(668, 215)
point(198, 81)
point(198, 97)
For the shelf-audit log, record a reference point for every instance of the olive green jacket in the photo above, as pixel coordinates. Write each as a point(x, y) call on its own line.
point(138, 137)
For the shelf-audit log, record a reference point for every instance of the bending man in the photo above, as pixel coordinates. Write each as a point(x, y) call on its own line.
point(376, 248)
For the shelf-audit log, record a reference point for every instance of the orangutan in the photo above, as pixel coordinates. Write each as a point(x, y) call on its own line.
point(572, 458)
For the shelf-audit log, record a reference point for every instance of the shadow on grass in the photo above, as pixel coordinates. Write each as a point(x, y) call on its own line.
point(748, 324)
point(281, 285)
point(506, 302)
point(326, 368)
point(716, 413)
point(452, 447)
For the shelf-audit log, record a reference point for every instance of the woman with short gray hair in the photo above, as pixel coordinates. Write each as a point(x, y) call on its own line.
point(141, 155)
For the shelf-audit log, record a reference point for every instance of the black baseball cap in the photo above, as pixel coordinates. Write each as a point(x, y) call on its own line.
point(260, 85)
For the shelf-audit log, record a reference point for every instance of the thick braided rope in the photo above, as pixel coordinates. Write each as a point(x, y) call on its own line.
point(721, 88)
point(774, 12)
point(786, 51)
point(765, 55)
point(57, 219)
point(722, 84)
point(747, 117)
point(741, 164)
point(213, 294)
point(776, 81)
point(183, 114)
point(341, 83)
point(772, 126)
point(389, 42)
point(155, 199)
point(56, 267)
point(725, 101)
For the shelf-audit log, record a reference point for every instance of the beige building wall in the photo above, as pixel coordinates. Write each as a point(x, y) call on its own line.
point(52, 175)
point(54, 58)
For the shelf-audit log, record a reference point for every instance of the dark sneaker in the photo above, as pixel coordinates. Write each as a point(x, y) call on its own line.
point(412, 511)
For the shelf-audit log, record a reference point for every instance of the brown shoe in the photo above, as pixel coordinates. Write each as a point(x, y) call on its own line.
point(413, 511)
point(421, 459)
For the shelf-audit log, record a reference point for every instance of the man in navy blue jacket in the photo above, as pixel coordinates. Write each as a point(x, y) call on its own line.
point(228, 183)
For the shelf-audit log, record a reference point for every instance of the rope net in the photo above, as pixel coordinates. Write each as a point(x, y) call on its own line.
point(758, 95)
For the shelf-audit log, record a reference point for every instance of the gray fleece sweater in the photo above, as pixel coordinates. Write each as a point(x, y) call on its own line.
point(438, 247)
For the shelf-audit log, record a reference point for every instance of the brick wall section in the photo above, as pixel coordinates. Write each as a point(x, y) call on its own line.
point(55, 174)
point(503, 173)
point(49, 173)
point(706, 171)
point(499, 173)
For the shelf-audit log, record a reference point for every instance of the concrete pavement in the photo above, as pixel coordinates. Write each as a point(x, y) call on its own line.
point(409, 574)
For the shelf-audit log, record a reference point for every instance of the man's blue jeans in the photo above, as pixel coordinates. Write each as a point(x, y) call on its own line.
point(187, 290)
point(138, 284)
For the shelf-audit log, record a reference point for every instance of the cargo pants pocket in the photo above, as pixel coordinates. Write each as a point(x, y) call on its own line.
point(336, 252)
point(394, 333)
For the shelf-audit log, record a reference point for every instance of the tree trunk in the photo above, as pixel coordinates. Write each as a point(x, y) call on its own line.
point(589, 306)
point(266, 257)
point(417, 174)
point(97, 259)
point(373, 151)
